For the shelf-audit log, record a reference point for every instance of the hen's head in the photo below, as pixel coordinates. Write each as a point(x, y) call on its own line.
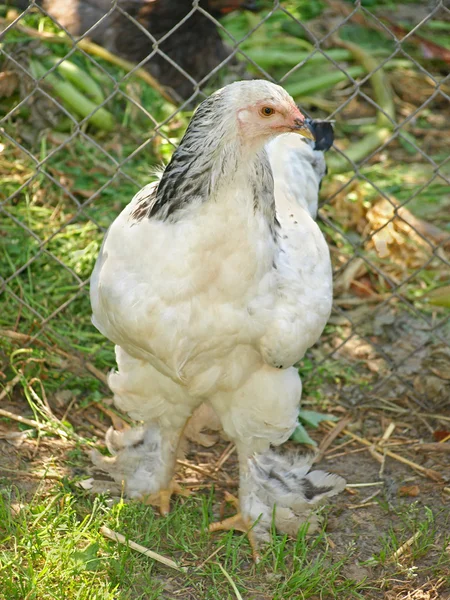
point(262, 110)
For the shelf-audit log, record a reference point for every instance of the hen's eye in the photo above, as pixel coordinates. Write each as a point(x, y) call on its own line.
point(267, 111)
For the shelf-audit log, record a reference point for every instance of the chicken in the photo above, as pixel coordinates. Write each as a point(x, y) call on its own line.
point(194, 45)
point(211, 293)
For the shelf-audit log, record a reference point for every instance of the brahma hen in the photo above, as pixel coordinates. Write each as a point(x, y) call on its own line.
point(212, 283)
point(188, 45)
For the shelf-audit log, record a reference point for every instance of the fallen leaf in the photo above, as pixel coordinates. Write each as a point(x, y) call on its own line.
point(301, 436)
point(362, 287)
point(16, 509)
point(8, 83)
point(100, 486)
point(85, 484)
point(440, 374)
point(355, 268)
point(312, 418)
point(441, 434)
point(409, 490)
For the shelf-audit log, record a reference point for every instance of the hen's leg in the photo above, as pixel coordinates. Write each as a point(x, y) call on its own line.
point(241, 521)
point(144, 461)
point(144, 457)
point(261, 413)
point(170, 441)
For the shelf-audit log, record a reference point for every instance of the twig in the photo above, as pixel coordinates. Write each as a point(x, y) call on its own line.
point(434, 475)
point(216, 484)
point(24, 420)
point(231, 582)
point(101, 427)
point(68, 409)
point(95, 50)
point(42, 401)
point(346, 452)
point(189, 465)
point(405, 546)
point(31, 475)
point(22, 337)
point(203, 563)
point(224, 456)
point(426, 229)
point(366, 501)
point(387, 434)
point(433, 447)
point(39, 426)
point(121, 539)
point(343, 445)
point(118, 422)
point(356, 301)
point(361, 485)
point(376, 455)
point(331, 436)
point(433, 49)
point(383, 464)
point(435, 416)
point(9, 386)
point(362, 505)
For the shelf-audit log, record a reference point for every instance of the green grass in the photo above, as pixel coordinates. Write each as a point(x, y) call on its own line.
point(52, 548)
point(417, 529)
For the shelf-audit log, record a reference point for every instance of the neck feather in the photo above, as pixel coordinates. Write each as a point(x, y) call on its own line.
point(205, 164)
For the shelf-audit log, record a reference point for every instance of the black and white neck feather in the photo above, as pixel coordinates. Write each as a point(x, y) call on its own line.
point(209, 157)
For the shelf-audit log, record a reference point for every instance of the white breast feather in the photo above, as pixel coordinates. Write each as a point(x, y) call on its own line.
point(183, 295)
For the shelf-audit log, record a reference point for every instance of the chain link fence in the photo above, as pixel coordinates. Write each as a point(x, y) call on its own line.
point(68, 163)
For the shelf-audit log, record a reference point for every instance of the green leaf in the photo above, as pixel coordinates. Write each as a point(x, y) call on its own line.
point(87, 558)
point(439, 296)
point(301, 436)
point(313, 418)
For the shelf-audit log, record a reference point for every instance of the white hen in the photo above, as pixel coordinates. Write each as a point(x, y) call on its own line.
point(211, 295)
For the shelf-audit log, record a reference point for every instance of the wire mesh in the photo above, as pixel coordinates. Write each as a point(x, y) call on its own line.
point(386, 333)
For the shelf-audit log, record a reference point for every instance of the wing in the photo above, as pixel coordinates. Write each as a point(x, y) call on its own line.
point(124, 282)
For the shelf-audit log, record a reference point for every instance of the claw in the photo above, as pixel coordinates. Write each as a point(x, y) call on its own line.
point(162, 498)
point(239, 523)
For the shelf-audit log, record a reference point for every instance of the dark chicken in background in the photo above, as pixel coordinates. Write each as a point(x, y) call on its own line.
point(194, 45)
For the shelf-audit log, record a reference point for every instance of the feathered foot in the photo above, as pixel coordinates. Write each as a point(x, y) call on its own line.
point(283, 486)
point(143, 462)
point(279, 487)
point(239, 523)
